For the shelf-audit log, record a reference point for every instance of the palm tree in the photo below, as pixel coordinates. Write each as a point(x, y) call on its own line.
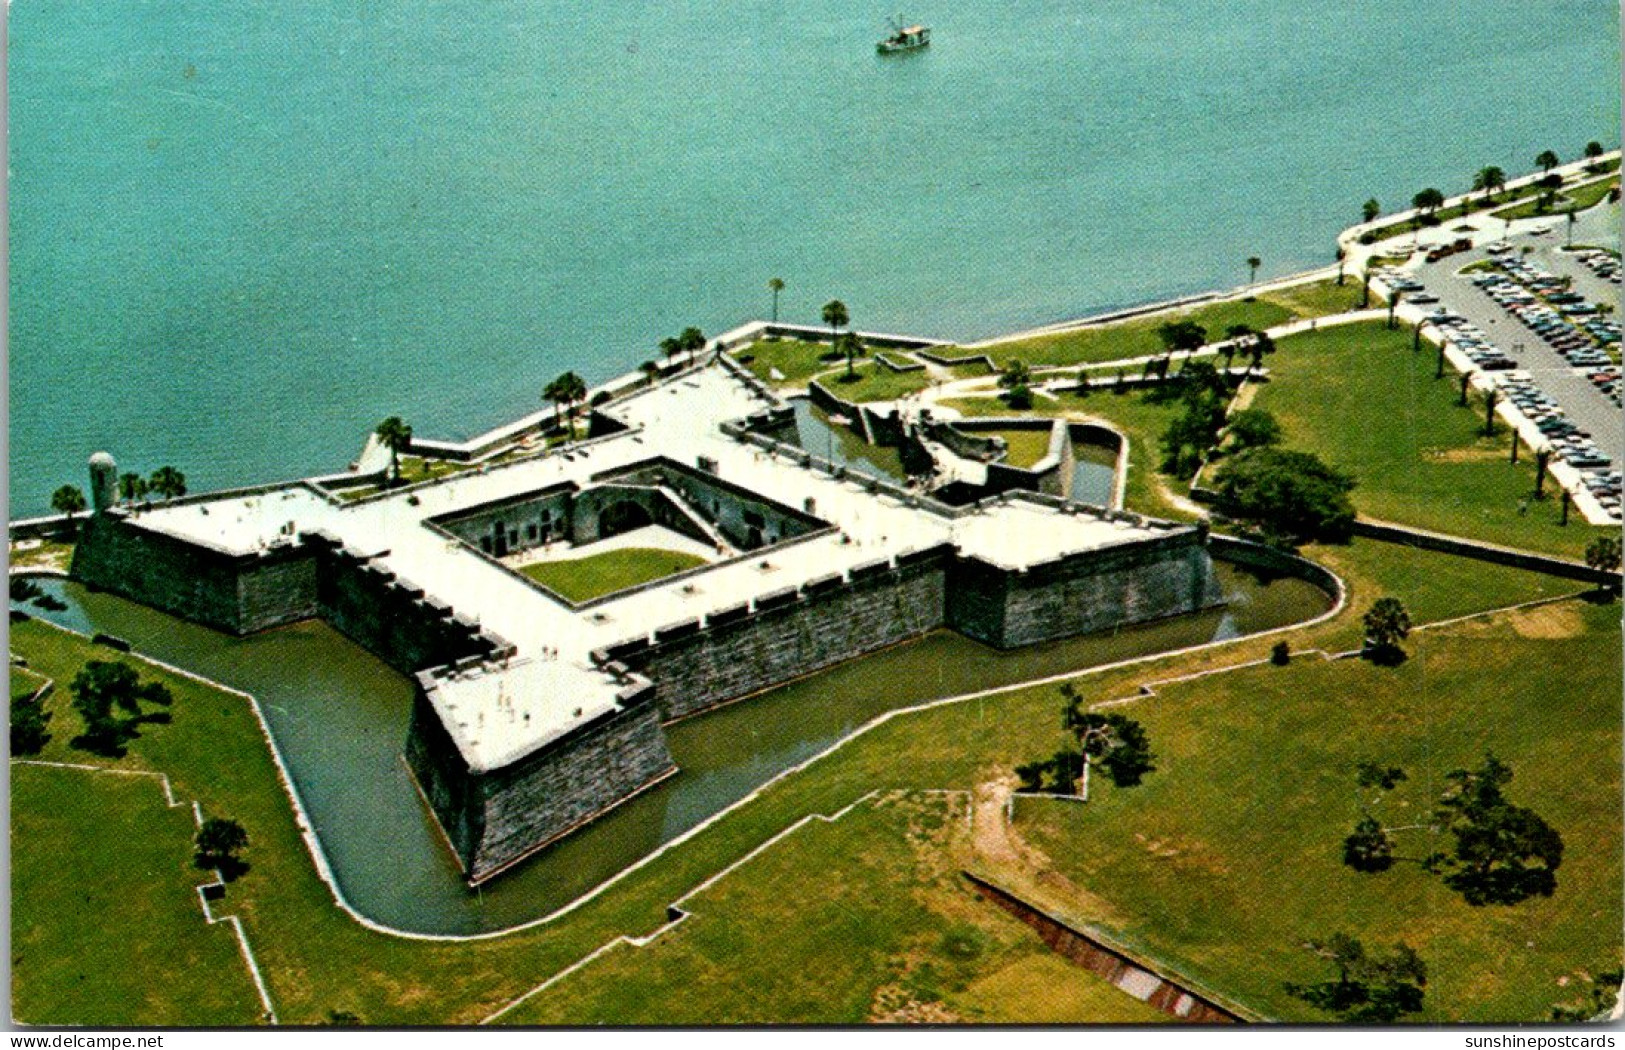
point(168, 483)
point(1489, 180)
point(564, 392)
point(1571, 226)
point(1593, 150)
point(1394, 297)
point(1547, 161)
point(775, 285)
point(131, 487)
point(692, 340)
point(1253, 263)
point(836, 316)
point(1428, 201)
point(1370, 210)
point(1235, 337)
point(1260, 345)
point(848, 345)
point(68, 500)
point(671, 346)
point(396, 436)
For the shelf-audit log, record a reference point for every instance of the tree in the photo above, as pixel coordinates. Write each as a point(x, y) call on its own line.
point(1016, 373)
point(131, 487)
point(1489, 179)
point(1503, 853)
point(1019, 397)
point(1281, 654)
point(395, 435)
point(1603, 554)
point(850, 347)
point(28, 724)
point(168, 483)
point(775, 285)
point(1370, 210)
point(1257, 347)
point(100, 688)
point(1253, 263)
point(1547, 160)
point(1181, 335)
point(217, 843)
point(1368, 987)
point(836, 316)
point(692, 340)
point(1254, 428)
point(1428, 201)
point(565, 392)
point(1593, 150)
point(1369, 774)
point(1288, 496)
point(671, 346)
point(1386, 625)
point(1368, 849)
point(1113, 741)
point(68, 500)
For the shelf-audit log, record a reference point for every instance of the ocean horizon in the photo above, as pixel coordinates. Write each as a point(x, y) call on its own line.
point(241, 236)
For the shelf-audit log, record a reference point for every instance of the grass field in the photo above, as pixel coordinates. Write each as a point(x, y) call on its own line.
point(316, 959)
point(880, 931)
point(1228, 858)
point(583, 579)
point(796, 360)
point(24, 682)
point(106, 925)
point(1136, 337)
point(1359, 397)
point(1317, 298)
point(872, 382)
point(1578, 197)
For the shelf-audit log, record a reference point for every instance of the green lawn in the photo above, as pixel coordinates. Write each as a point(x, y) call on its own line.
point(1228, 857)
point(1317, 298)
point(24, 682)
point(873, 382)
point(1360, 398)
point(1026, 447)
point(796, 360)
point(1136, 337)
point(583, 579)
point(1579, 197)
point(869, 923)
point(106, 926)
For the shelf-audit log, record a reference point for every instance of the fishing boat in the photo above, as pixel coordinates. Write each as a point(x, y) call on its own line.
point(904, 38)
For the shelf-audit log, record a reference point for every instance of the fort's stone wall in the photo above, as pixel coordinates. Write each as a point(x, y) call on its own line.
point(782, 635)
point(237, 593)
point(1091, 591)
point(492, 820)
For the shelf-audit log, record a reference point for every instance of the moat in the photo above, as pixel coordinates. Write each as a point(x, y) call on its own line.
point(340, 715)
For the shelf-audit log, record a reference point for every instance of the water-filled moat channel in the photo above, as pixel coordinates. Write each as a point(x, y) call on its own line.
point(340, 719)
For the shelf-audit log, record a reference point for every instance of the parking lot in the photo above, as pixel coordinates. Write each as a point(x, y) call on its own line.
point(1566, 379)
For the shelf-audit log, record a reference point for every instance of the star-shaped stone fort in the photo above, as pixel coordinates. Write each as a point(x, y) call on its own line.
point(535, 714)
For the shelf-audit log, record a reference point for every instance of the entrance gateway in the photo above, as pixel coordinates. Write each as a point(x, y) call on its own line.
point(533, 715)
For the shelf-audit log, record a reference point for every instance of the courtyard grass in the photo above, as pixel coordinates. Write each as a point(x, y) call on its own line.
point(47, 554)
point(1361, 399)
point(583, 579)
point(1228, 858)
point(106, 926)
point(879, 905)
point(316, 959)
point(1024, 447)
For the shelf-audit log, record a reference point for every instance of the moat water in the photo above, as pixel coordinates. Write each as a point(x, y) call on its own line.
point(242, 233)
point(340, 719)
